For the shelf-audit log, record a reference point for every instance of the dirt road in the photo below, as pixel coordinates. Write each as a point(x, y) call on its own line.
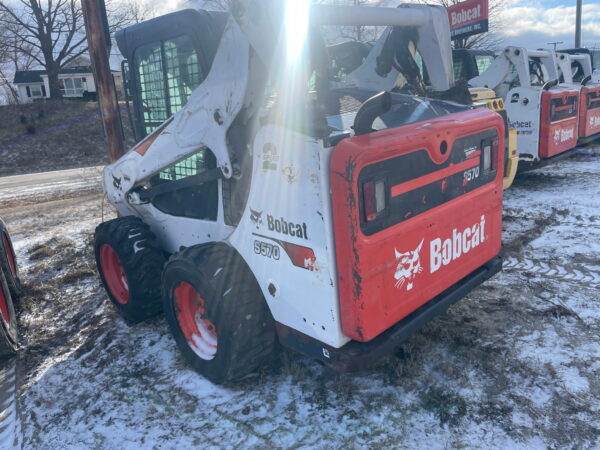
point(516, 364)
point(48, 186)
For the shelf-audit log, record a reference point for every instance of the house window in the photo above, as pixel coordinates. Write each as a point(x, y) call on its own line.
point(36, 91)
point(71, 87)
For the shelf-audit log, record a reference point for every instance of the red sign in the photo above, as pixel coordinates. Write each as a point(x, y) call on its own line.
point(468, 18)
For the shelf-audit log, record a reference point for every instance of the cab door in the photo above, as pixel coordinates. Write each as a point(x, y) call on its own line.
point(166, 58)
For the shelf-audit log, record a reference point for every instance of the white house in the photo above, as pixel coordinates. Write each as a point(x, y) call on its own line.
point(75, 82)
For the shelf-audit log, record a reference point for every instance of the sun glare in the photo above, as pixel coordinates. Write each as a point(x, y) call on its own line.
point(296, 26)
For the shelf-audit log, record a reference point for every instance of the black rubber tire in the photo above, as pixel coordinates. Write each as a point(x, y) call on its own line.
point(8, 335)
point(12, 279)
point(142, 261)
point(234, 304)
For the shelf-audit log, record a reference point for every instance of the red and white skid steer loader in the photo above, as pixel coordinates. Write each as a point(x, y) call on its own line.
point(544, 113)
point(589, 92)
point(277, 203)
point(10, 290)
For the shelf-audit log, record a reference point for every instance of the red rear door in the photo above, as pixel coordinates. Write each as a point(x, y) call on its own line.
point(589, 115)
point(559, 122)
point(416, 209)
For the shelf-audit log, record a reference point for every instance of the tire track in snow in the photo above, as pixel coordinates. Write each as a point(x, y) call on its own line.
point(552, 270)
point(10, 427)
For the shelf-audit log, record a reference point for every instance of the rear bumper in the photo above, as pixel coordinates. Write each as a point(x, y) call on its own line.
point(355, 356)
point(589, 139)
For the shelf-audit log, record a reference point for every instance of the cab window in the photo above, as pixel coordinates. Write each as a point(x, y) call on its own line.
point(483, 62)
point(459, 69)
point(167, 73)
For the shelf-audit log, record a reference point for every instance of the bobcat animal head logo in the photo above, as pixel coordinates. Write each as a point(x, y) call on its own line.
point(557, 136)
point(256, 217)
point(409, 265)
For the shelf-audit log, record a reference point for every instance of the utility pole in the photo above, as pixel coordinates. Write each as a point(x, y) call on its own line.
point(578, 24)
point(94, 16)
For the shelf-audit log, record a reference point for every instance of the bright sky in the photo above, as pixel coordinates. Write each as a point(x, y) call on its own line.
point(534, 23)
point(527, 23)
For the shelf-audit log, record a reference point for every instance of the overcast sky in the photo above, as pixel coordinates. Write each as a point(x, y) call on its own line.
point(534, 23)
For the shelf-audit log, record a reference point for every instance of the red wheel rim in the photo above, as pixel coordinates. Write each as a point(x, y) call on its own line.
point(114, 274)
point(4, 308)
point(199, 332)
point(11, 257)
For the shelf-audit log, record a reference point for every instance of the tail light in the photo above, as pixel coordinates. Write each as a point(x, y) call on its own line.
point(490, 154)
point(374, 197)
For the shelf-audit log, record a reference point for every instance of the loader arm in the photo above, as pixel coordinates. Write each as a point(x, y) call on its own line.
point(518, 58)
point(567, 61)
point(202, 123)
point(430, 25)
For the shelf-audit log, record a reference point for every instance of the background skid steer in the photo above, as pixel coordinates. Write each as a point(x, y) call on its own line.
point(579, 66)
point(545, 115)
point(338, 218)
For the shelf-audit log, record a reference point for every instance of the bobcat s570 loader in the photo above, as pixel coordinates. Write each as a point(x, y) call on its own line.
point(277, 204)
point(545, 115)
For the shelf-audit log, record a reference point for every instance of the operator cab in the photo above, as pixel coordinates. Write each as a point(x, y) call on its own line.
point(470, 63)
point(165, 60)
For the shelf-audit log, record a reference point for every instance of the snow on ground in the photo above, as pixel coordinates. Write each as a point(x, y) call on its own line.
point(514, 365)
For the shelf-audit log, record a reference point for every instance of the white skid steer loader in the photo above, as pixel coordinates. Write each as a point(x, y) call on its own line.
point(545, 115)
point(278, 204)
point(589, 92)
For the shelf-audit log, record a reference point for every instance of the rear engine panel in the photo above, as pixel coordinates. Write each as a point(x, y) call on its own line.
point(559, 122)
point(416, 209)
point(589, 111)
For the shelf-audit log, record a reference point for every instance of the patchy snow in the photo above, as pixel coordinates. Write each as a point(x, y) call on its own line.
point(47, 186)
point(514, 365)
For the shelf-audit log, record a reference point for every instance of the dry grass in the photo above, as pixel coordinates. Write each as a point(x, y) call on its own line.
point(58, 135)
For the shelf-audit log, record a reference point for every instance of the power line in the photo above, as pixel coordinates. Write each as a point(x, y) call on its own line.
point(555, 44)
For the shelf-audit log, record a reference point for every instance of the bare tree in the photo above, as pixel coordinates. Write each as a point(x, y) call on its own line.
point(490, 40)
point(52, 32)
point(360, 33)
point(11, 60)
point(216, 5)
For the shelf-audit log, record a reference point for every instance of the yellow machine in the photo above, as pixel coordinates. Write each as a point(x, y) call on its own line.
point(487, 98)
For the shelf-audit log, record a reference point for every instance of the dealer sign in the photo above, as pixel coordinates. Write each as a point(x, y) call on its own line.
point(468, 18)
